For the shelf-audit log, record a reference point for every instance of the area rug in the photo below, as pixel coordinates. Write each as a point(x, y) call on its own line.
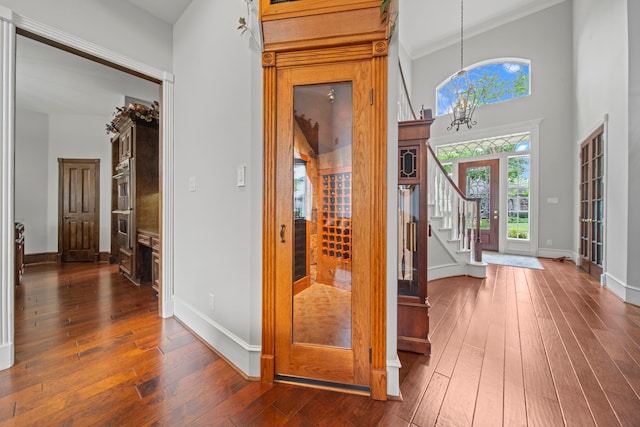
point(512, 260)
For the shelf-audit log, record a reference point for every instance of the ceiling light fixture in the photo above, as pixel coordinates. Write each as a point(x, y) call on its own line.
point(463, 96)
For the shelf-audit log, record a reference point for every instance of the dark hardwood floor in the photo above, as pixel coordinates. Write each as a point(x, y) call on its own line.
point(522, 347)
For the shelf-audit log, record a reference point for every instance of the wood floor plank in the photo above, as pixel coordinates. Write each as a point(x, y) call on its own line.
point(429, 409)
point(514, 410)
point(540, 393)
point(460, 399)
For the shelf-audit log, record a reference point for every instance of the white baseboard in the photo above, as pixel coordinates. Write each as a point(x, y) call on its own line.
point(243, 356)
point(7, 356)
point(452, 270)
point(626, 293)
point(555, 253)
point(393, 377)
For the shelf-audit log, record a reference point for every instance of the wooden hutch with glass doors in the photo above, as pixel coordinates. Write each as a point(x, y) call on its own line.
point(325, 196)
point(413, 232)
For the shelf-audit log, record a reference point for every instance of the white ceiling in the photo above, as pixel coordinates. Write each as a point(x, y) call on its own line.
point(52, 81)
point(56, 82)
point(167, 10)
point(428, 25)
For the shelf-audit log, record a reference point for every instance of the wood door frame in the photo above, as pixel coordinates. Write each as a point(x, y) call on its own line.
point(376, 52)
point(494, 185)
point(585, 260)
point(96, 232)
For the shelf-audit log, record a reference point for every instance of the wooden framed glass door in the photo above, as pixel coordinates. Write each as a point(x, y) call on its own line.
point(481, 180)
point(592, 204)
point(323, 220)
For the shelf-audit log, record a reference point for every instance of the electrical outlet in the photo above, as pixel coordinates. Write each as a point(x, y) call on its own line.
point(549, 242)
point(212, 302)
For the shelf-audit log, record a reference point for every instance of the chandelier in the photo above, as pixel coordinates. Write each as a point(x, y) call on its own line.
point(462, 95)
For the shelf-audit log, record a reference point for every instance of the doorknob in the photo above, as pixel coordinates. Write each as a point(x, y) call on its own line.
point(282, 233)
point(495, 214)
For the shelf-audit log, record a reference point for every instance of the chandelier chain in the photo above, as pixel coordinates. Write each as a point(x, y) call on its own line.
point(461, 35)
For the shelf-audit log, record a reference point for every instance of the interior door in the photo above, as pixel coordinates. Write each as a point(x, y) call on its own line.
point(481, 180)
point(323, 284)
point(592, 204)
point(79, 193)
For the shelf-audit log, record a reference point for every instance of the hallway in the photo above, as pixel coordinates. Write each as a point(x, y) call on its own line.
point(522, 347)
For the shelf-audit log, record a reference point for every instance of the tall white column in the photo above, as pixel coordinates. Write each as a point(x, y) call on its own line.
point(166, 308)
point(7, 239)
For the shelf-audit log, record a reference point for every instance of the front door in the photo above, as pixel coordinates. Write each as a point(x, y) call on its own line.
point(592, 204)
point(79, 221)
point(481, 180)
point(323, 214)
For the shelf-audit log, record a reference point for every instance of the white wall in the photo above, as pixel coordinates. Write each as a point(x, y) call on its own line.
point(218, 236)
point(31, 160)
point(602, 88)
point(545, 39)
point(113, 24)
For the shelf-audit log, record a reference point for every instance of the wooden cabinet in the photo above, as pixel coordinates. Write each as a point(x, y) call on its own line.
point(135, 155)
point(19, 252)
point(126, 261)
point(413, 307)
point(148, 258)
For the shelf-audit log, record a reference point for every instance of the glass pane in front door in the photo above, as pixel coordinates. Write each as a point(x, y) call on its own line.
point(478, 186)
point(322, 186)
point(480, 180)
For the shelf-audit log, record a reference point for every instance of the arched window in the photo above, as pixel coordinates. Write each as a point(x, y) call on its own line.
point(495, 80)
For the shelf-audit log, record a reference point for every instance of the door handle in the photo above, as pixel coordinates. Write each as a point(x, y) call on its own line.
point(282, 233)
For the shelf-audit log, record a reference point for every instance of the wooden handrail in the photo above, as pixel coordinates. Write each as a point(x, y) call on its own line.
point(406, 92)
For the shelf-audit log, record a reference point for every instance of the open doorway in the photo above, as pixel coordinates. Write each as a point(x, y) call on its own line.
point(64, 102)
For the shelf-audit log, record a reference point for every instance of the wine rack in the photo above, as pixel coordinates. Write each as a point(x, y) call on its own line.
point(335, 236)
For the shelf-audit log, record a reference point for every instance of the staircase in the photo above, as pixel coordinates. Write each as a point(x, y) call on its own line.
point(454, 247)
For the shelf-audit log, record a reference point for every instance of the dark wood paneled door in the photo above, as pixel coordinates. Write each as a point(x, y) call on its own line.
point(79, 213)
point(481, 180)
point(323, 294)
point(592, 203)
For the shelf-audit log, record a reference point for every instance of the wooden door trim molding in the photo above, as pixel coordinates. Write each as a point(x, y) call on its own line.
point(96, 232)
point(267, 359)
point(378, 372)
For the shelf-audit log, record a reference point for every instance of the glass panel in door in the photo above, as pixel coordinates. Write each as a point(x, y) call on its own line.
point(323, 211)
point(322, 214)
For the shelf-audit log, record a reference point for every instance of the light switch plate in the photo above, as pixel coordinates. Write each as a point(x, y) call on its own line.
point(241, 176)
point(192, 183)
